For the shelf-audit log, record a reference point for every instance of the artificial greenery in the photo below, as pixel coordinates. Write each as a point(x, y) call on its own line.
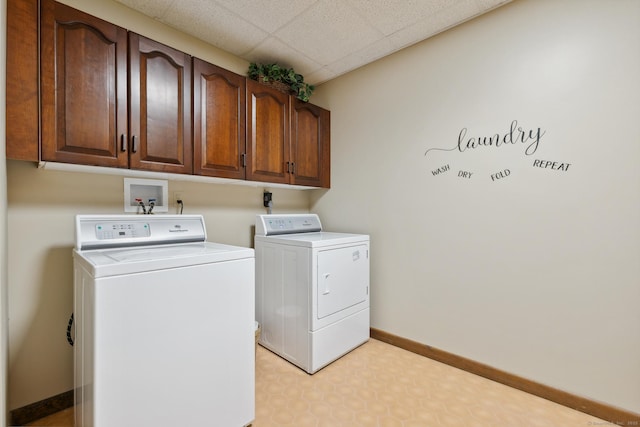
point(274, 72)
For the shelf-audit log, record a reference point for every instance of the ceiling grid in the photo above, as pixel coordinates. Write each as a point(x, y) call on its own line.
point(321, 39)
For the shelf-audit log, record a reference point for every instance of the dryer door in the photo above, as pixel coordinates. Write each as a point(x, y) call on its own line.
point(343, 279)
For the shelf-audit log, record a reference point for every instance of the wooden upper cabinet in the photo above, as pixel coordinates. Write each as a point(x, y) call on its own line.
point(83, 88)
point(160, 107)
point(219, 137)
point(88, 117)
point(267, 134)
point(310, 144)
point(109, 97)
point(22, 113)
point(288, 140)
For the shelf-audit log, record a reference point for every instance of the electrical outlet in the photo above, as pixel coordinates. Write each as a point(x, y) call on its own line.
point(266, 198)
point(177, 195)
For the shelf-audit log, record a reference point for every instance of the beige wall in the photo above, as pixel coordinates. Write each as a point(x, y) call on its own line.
point(536, 273)
point(41, 209)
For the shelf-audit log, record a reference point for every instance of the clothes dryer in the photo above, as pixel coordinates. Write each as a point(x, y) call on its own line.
point(312, 289)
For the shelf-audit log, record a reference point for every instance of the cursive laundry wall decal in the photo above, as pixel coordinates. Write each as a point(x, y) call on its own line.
point(515, 135)
point(529, 139)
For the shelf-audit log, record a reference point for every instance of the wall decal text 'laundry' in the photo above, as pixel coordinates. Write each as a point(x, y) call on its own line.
point(515, 135)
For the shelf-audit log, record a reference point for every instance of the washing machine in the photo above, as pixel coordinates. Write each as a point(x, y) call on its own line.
point(164, 324)
point(312, 289)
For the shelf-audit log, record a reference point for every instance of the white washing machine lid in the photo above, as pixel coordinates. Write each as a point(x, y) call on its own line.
point(315, 240)
point(118, 261)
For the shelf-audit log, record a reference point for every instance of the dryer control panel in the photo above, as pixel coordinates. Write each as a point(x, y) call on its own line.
point(269, 225)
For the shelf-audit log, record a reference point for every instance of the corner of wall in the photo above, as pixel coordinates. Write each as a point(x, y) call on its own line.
point(3, 223)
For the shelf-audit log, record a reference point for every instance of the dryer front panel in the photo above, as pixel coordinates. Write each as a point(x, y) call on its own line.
point(342, 279)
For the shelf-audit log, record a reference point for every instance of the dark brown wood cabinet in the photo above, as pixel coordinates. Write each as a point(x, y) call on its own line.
point(219, 137)
point(89, 117)
point(310, 144)
point(159, 107)
point(22, 113)
point(81, 90)
point(84, 88)
point(267, 134)
point(288, 140)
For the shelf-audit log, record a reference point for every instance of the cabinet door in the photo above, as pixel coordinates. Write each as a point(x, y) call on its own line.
point(267, 134)
point(160, 107)
point(219, 138)
point(310, 144)
point(84, 86)
point(22, 80)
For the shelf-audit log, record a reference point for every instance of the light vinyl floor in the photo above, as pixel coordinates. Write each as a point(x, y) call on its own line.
point(379, 385)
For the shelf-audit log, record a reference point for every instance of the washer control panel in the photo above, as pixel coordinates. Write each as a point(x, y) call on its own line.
point(114, 231)
point(122, 230)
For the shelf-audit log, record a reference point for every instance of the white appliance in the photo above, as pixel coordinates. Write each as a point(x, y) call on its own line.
point(165, 330)
point(312, 289)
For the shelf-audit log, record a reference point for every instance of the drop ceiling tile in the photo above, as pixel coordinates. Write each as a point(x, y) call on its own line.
point(320, 76)
point(491, 4)
point(390, 16)
point(274, 50)
point(153, 8)
point(215, 24)
point(321, 39)
point(377, 50)
point(373, 52)
point(328, 31)
point(456, 14)
point(415, 33)
point(435, 23)
point(270, 15)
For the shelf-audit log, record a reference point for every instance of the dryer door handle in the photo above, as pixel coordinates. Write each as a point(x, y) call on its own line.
point(326, 291)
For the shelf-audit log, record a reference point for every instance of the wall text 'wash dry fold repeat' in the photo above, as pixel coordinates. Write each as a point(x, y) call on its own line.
point(515, 135)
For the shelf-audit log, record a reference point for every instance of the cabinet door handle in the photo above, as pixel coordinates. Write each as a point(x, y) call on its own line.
point(123, 142)
point(288, 167)
point(291, 168)
point(134, 149)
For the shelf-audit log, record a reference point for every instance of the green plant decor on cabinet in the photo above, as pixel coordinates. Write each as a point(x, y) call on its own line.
point(267, 73)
